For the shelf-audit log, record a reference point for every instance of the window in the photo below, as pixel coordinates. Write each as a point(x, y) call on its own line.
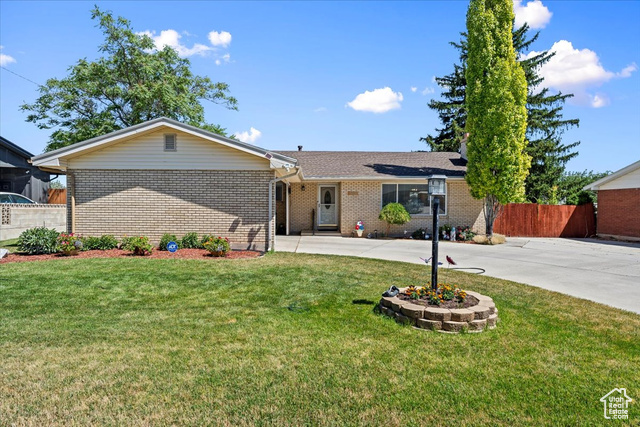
point(169, 142)
point(20, 199)
point(414, 197)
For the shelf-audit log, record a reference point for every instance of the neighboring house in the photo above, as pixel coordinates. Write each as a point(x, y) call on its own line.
point(619, 203)
point(164, 176)
point(17, 175)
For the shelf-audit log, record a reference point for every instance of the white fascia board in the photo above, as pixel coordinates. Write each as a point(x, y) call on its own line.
point(595, 186)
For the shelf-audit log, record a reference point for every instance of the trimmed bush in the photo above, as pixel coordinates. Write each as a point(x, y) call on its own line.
point(102, 243)
point(39, 240)
point(217, 246)
point(394, 213)
point(139, 245)
point(165, 239)
point(205, 239)
point(190, 241)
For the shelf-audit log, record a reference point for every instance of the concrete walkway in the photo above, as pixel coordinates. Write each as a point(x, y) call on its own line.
point(605, 272)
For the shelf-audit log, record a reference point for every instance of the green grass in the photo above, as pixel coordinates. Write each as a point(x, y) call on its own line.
point(140, 341)
point(11, 245)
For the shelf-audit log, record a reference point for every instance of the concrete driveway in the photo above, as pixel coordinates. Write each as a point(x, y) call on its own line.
point(605, 272)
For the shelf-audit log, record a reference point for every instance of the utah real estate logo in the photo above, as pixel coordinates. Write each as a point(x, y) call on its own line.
point(616, 404)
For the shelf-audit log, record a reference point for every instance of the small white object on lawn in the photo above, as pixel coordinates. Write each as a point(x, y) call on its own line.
point(3, 253)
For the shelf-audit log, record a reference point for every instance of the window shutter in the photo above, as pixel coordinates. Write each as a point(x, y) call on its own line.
point(169, 142)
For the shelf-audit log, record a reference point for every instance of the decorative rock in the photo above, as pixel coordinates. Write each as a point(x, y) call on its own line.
point(492, 320)
point(413, 310)
point(404, 320)
point(454, 326)
point(480, 311)
point(441, 314)
point(386, 301)
point(397, 304)
point(477, 325)
point(461, 315)
point(434, 325)
point(477, 318)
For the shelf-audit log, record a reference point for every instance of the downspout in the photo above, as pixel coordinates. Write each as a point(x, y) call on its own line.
point(270, 245)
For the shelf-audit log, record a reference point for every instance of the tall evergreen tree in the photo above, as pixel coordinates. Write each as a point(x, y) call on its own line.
point(496, 98)
point(545, 122)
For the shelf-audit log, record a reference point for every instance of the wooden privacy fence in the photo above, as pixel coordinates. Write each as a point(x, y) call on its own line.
point(57, 196)
point(533, 220)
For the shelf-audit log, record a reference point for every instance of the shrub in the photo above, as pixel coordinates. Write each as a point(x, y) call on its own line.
point(218, 245)
point(464, 233)
point(190, 241)
point(139, 245)
point(69, 242)
point(205, 238)
point(39, 240)
point(102, 243)
point(419, 234)
point(165, 239)
point(394, 213)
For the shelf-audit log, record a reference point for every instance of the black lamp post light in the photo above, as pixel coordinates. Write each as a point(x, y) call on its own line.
point(437, 189)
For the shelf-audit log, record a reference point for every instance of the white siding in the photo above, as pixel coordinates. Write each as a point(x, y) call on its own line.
point(147, 152)
point(628, 180)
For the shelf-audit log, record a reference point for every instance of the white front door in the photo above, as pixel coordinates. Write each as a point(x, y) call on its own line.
point(327, 206)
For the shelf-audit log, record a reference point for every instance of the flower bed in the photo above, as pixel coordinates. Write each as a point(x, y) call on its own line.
point(117, 253)
point(472, 318)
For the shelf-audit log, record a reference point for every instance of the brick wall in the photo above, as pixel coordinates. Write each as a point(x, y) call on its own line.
point(361, 200)
point(619, 212)
point(301, 205)
point(153, 202)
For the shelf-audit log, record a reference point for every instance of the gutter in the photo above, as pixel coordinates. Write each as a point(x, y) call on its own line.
point(270, 241)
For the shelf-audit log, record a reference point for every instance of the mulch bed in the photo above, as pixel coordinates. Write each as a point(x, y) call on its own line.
point(469, 301)
point(117, 253)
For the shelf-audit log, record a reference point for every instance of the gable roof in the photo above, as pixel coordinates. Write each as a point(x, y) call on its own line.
point(55, 159)
point(595, 186)
point(363, 165)
point(4, 142)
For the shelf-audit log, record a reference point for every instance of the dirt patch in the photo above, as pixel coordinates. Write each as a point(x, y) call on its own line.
point(117, 253)
point(469, 301)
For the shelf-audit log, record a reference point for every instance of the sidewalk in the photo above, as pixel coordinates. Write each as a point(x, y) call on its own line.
point(604, 272)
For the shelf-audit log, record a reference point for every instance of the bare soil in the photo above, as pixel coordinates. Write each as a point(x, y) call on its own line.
point(117, 253)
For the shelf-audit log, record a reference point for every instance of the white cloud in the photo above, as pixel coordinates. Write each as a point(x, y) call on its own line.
point(577, 71)
point(427, 90)
point(599, 100)
point(414, 89)
point(249, 137)
point(533, 13)
point(377, 101)
point(320, 110)
point(5, 59)
point(221, 38)
point(172, 38)
point(226, 58)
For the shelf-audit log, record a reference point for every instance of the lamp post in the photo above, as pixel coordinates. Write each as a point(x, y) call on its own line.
point(437, 188)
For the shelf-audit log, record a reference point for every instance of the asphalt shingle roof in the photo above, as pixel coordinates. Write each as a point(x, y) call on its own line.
point(356, 164)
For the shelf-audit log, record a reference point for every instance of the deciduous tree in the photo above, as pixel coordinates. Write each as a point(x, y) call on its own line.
point(131, 83)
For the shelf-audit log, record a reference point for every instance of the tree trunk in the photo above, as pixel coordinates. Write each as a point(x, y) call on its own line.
point(492, 209)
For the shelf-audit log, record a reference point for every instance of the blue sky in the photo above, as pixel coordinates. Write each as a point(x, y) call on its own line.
point(336, 75)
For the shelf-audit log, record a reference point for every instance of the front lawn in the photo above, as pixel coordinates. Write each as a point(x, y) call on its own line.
point(11, 245)
point(290, 339)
